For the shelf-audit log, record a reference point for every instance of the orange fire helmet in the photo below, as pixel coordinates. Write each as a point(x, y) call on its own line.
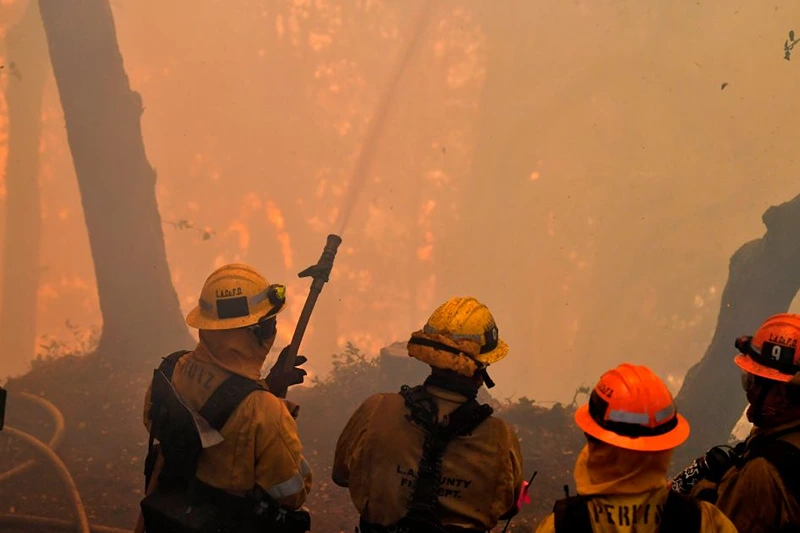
point(772, 352)
point(631, 408)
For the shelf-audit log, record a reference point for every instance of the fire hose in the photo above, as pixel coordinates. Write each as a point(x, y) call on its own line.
point(46, 452)
point(319, 273)
point(55, 440)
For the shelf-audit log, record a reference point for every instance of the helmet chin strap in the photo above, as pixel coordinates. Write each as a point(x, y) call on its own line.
point(486, 379)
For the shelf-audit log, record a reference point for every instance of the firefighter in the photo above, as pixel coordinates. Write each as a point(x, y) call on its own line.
point(431, 458)
point(760, 491)
point(253, 473)
point(632, 427)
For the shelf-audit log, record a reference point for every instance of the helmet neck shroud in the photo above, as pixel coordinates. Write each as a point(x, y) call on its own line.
point(453, 381)
point(481, 373)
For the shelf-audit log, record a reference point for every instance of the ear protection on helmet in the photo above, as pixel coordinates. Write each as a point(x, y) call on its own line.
point(264, 329)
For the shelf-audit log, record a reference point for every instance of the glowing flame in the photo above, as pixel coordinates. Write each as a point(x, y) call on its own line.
point(425, 253)
point(275, 217)
point(318, 41)
point(426, 211)
point(244, 234)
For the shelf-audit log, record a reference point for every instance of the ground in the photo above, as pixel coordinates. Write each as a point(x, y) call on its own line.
point(105, 443)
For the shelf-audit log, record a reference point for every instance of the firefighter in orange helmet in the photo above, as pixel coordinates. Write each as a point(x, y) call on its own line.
point(631, 426)
point(760, 491)
point(232, 459)
point(432, 459)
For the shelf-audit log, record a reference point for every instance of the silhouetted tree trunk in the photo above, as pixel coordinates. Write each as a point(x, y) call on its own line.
point(764, 279)
point(141, 314)
point(25, 68)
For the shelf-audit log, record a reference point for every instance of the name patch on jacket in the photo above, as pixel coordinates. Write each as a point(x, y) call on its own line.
point(199, 374)
point(626, 515)
point(449, 487)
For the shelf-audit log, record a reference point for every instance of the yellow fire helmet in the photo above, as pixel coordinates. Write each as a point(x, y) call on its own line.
point(235, 296)
point(461, 335)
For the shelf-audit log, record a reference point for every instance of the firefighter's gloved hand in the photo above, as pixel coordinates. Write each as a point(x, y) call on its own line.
point(719, 459)
point(295, 376)
point(711, 467)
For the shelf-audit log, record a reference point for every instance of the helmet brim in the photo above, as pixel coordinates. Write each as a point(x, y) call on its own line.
point(195, 319)
point(747, 364)
point(499, 353)
point(656, 443)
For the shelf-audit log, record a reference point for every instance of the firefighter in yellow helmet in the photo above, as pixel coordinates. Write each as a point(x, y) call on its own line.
point(230, 458)
point(631, 426)
point(760, 489)
point(431, 458)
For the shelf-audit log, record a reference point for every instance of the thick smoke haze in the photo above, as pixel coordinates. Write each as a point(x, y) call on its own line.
point(585, 168)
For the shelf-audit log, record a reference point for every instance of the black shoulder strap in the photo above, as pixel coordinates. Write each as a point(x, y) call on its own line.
point(217, 409)
point(224, 401)
point(424, 412)
point(168, 363)
point(465, 419)
point(572, 515)
point(167, 367)
point(681, 514)
point(785, 457)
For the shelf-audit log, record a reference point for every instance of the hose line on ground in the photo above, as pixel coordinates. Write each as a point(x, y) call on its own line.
point(63, 473)
point(55, 440)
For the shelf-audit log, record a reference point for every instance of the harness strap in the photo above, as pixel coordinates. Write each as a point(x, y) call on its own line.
point(785, 457)
point(424, 412)
point(167, 367)
point(168, 363)
point(217, 409)
point(681, 514)
point(226, 398)
point(572, 515)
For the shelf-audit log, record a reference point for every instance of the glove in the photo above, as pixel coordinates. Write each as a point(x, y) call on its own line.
point(711, 466)
point(719, 459)
point(275, 379)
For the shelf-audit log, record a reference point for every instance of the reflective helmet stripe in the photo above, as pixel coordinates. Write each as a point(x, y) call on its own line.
point(666, 413)
point(629, 418)
point(642, 418)
point(631, 424)
point(488, 339)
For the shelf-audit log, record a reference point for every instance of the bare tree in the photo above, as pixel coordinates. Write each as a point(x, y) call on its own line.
point(25, 68)
point(141, 314)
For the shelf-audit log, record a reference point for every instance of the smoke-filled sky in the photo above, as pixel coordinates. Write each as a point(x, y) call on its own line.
point(585, 168)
